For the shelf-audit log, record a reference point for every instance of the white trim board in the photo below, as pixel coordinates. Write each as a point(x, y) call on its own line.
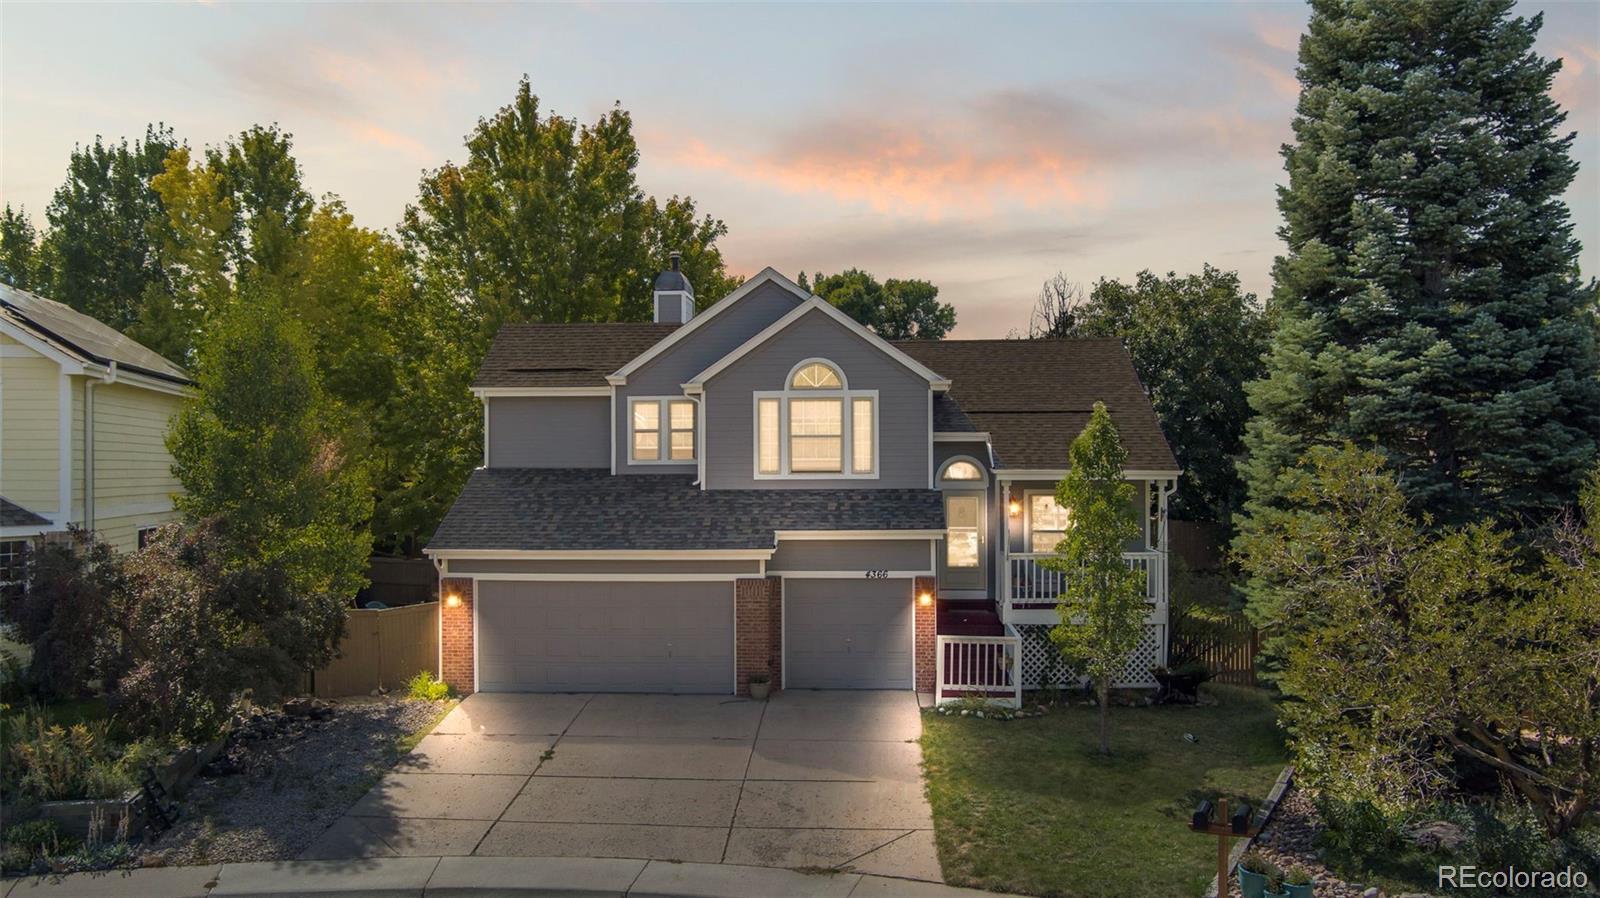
point(874, 535)
point(960, 436)
point(764, 276)
point(489, 392)
point(818, 304)
point(588, 554)
point(1005, 474)
point(852, 575)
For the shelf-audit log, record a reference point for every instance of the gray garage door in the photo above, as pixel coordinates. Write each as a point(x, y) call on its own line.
point(605, 637)
point(847, 634)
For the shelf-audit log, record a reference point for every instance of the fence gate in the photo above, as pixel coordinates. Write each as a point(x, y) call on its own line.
point(382, 649)
point(1227, 647)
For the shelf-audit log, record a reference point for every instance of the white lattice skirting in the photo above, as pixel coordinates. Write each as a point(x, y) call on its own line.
point(1038, 650)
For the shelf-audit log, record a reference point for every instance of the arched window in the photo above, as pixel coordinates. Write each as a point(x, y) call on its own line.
point(816, 376)
point(960, 469)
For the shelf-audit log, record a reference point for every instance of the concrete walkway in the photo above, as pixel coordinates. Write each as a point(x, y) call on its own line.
point(464, 877)
point(810, 780)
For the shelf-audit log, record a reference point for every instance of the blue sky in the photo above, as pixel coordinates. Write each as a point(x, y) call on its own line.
point(982, 147)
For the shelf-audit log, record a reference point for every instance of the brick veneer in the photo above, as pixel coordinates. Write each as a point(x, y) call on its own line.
point(927, 631)
point(455, 635)
point(758, 609)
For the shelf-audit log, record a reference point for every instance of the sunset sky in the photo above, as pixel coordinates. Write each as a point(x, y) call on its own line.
point(983, 148)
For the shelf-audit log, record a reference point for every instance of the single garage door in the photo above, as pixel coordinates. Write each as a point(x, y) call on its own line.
point(546, 636)
point(847, 634)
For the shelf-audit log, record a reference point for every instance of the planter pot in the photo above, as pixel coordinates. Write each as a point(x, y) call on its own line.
point(1252, 885)
point(760, 691)
point(1298, 891)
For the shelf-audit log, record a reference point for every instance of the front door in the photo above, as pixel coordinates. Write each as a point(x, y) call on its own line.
point(964, 562)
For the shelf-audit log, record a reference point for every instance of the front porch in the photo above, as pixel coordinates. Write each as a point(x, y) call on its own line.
point(993, 648)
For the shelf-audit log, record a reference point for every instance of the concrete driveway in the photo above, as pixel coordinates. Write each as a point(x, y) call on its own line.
point(807, 779)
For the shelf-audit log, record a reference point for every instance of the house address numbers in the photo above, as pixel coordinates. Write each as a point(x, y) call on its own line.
point(877, 574)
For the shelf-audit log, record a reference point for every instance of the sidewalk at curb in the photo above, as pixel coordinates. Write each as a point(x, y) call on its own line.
point(474, 877)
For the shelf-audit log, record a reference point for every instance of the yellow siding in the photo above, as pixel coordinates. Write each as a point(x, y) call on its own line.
point(133, 483)
point(29, 435)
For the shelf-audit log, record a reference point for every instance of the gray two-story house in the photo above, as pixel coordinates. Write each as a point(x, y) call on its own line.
point(766, 486)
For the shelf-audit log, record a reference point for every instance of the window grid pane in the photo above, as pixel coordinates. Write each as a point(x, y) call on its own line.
point(682, 445)
point(816, 376)
point(646, 415)
point(861, 436)
point(767, 442)
point(680, 417)
point(647, 445)
point(816, 436)
point(963, 470)
point(1047, 522)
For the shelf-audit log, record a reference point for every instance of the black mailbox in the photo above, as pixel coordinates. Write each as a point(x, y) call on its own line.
point(1241, 819)
point(1202, 814)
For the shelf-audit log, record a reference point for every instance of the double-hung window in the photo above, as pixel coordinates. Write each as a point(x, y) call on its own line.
point(661, 430)
point(816, 427)
point(1047, 522)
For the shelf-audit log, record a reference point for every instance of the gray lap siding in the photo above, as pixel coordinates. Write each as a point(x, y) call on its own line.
point(854, 556)
point(548, 432)
point(665, 374)
point(903, 408)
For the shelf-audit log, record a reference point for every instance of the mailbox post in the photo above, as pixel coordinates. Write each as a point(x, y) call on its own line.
point(1214, 820)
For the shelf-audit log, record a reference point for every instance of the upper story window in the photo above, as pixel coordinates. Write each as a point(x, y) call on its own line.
point(961, 470)
point(817, 427)
point(1047, 522)
point(816, 376)
point(661, 430)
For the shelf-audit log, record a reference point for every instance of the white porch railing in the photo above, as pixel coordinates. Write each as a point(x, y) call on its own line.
point(986, 667)
point(1029, 582)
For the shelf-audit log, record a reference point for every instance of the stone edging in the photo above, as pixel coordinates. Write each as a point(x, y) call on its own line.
point(1243, 845)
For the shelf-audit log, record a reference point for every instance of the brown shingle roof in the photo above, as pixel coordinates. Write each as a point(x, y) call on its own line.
point(565, 355)
point(1033, 397)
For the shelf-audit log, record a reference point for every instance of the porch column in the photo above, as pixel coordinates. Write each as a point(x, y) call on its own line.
point(1003, 574)
point(758, 608)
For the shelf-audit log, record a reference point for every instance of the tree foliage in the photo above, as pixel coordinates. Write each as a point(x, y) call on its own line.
point(545, 221)
point(19, 249)
point(98, 252)
point(67, 614)
point(1196, 340)
point(1419, 649)
point(1429, 303)
point(894, 309)
point(255, 449)
point(1103, 609)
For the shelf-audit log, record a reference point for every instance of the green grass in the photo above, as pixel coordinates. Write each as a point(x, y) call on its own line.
point(1030, 806)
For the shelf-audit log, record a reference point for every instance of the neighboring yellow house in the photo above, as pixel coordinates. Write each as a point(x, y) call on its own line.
point(84, 413)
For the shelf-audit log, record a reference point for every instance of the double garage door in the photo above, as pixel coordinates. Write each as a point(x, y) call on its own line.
point(677, 636)
point(584, 636)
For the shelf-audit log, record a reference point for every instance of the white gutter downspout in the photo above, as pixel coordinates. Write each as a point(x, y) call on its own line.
point(700, 441)
point(110, 377)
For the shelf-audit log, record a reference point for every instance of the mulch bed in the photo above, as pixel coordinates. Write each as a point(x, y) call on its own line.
point(283, 779)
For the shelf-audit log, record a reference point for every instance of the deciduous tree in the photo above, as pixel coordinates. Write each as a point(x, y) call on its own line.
point(19, 249)
point(894, 309)
point(1103, 611)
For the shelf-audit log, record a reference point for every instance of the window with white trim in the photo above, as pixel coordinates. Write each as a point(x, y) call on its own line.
point(1047, 522)
point(961, 470)
point(13, 567)
point(816, 427)
point(661, 430)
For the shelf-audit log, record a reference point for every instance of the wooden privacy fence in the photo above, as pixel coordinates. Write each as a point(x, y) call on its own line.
point(382, 649)
point(1227, 647)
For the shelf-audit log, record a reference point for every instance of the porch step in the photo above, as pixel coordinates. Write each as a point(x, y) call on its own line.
point(965, 617)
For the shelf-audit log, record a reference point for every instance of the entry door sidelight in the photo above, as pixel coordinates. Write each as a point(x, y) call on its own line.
point(964, 563)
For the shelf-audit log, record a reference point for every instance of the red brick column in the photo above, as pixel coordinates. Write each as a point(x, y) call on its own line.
point(927, 630)
point(455, 635)
point(758, 609)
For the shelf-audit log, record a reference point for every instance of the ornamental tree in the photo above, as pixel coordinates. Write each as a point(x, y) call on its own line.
point(1102, 613)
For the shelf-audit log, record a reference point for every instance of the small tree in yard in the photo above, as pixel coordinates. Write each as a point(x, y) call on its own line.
point(1103, 609)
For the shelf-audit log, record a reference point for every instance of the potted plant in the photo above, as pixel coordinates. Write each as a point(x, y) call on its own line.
point(1297, 882)
point(1275, 886)
point(760, 685)
point(1254, 872)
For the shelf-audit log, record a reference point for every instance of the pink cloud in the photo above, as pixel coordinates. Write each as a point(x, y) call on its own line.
point(1577, 85)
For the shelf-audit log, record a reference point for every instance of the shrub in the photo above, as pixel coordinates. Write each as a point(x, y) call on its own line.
point(68, 614)
point(424, 687)
point(24, 843)
point(53, 762)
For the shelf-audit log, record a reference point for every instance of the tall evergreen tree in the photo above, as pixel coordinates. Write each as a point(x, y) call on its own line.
point(1429, 305)
point(99, 250)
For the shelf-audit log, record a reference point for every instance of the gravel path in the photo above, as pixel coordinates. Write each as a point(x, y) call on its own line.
point(283, 780)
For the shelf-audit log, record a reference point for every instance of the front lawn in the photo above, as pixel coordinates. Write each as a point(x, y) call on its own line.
point(1029, 805)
